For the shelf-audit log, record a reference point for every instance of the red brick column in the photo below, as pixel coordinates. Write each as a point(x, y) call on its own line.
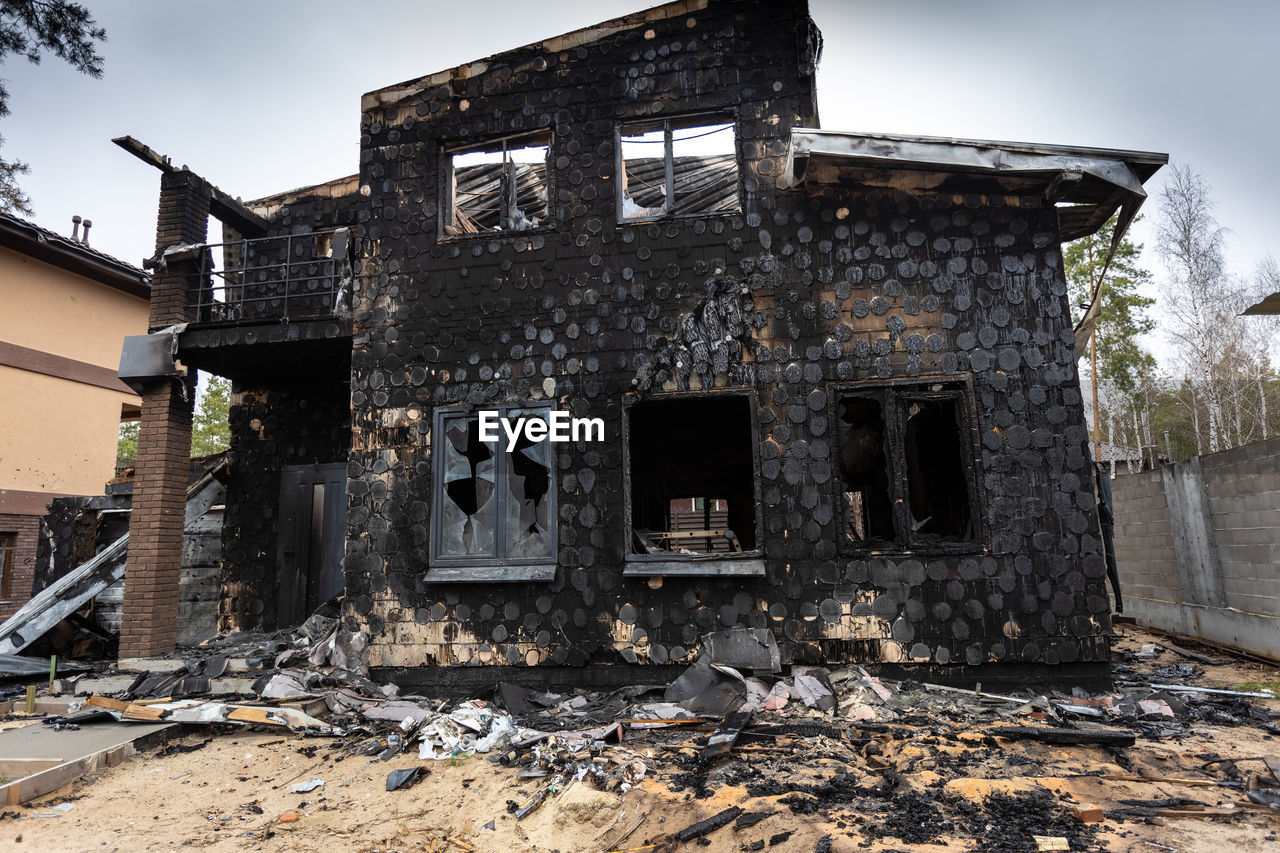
point(154, 567)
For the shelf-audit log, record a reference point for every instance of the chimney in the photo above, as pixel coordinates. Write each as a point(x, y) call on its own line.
point(75, 229)
point(84, 241)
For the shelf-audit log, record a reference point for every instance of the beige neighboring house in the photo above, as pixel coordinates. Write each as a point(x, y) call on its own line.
point(65, 310)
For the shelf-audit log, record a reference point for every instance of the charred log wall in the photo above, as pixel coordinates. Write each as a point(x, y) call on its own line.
point(844, 286)
point(270, 428)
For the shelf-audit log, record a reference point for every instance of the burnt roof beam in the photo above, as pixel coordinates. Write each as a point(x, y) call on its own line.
point(228, 210)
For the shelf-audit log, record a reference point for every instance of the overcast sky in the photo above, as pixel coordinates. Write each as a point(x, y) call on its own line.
point(264, 96)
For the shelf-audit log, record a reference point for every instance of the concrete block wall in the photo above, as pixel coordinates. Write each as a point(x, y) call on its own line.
point(1244, 494)
point(1241, 491)
point(1144, 538)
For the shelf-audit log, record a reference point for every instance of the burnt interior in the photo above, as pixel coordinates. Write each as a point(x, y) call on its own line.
point(499, 185)
point(906, 476)
point(683, 165)
point(864, 470)
point(683, 451)
point(936, 471)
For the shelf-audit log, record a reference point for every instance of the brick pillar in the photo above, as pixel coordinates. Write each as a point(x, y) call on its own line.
point(154, 567)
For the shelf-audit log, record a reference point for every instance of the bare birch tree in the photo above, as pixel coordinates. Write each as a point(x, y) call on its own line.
point(1224, 357)
point(1191, 243)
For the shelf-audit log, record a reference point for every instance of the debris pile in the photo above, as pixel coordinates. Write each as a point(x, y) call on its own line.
point(870, 757)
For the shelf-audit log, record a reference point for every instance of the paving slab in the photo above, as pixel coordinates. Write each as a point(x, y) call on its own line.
point(149, 664)
point(40, 741)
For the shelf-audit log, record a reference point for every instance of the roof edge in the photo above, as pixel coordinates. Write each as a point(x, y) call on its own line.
point(1153, 158)
point(396, 92)
point(52, 248)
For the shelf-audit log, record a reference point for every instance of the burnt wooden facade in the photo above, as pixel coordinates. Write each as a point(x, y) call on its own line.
point(871, 385)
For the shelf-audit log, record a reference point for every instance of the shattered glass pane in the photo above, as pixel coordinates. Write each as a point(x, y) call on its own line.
point(467, 505)
point(527, 525)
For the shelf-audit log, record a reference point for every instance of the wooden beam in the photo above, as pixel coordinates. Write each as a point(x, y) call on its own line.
point(229, 210)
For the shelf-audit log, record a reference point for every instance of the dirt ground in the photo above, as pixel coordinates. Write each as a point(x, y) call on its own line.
point(883, 788)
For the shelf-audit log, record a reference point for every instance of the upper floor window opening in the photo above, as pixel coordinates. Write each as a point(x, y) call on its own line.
point(677, 166)
point(497, 185)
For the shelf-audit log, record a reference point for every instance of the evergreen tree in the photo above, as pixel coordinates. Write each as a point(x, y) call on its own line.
point(210, 432)
point(1121, 356)
point(32, 28)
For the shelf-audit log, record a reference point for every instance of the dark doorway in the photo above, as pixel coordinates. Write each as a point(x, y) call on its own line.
point(312, 538)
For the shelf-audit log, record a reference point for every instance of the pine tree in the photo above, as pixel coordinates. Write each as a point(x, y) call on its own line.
point(1121, 357)
point(210, 432)
point(32, 28)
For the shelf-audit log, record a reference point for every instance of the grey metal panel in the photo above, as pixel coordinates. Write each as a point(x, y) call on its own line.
point(144, 358)
point(63, 597)
point(1193, 537)
point(311, 539)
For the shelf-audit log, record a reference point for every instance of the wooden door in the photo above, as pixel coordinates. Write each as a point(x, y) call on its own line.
point(311, 540)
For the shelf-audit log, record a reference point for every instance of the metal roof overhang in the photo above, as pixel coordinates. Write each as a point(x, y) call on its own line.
point(1269, 305)
point(1088, 185)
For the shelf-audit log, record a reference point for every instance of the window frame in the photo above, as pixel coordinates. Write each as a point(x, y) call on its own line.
point(448, 149)
point(713, 564)
point(897, 393)
point(669, 124)
point(469, 569)
point(8, 545)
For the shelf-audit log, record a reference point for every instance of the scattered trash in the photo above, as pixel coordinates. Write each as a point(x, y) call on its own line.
point(722, 740)
point(1105, 737)
point(733, 718)
point(56, 811)
point(406, 778)
point(709, 825)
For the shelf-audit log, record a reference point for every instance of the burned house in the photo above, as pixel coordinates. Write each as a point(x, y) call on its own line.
point(823, 384)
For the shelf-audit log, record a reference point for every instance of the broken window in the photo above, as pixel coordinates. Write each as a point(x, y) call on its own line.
point(868, 506)
point(692, 473)
point(677, 166)
point(494, 500)
point(906, 468)
point(497, 185)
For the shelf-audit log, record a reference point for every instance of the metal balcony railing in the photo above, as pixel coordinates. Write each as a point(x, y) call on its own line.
point(286, 277)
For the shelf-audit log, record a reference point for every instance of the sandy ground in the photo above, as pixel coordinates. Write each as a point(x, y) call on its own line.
point(232, 793)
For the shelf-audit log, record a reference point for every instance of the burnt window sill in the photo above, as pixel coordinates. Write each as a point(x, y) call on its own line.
point(544, 572)
point(495, 234)
point(935, 549)
point(676, 217)
point(674, 567)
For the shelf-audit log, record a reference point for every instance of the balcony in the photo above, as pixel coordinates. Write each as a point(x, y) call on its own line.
point(272, 279)
point(273, 306)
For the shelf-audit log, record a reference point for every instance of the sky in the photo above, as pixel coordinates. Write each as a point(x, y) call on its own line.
point(260, 97)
